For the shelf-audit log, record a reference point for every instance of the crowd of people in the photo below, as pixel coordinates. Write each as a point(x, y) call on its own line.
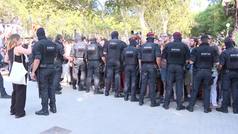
point(162, 68)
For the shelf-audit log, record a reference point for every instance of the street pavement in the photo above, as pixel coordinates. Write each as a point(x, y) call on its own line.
point(85, 113)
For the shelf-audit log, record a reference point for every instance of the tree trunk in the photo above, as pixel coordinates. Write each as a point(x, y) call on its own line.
point(236, 17)
point(141, 13)
point(165, 21)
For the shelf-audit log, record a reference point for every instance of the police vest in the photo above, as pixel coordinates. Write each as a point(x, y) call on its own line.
point(205, 58)
point(148, 53)
point(232, 59)
point(49, 52)
point(130, 56)
point(80, 50)
point(114, 52)
point(176, 54)
point(93, 52)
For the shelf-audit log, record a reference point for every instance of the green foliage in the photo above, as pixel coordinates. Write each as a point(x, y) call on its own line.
point(89, 16)
point(213, 21)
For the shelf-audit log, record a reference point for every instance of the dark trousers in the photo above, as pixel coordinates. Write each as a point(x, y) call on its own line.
point(175, 73)
point(130, 80)
point(113, 73)
point(18, 99)
point(47, 87)
point(148, 77)
point(202, 76)
point(2, 89)
point(102, 76)
point(57, 78)
point(93, 74)
point(230, 88)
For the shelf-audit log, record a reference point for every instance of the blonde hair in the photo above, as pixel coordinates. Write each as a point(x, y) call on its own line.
point(12, 41)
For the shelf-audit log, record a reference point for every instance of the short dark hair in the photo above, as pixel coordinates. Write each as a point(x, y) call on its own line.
point(58, 37)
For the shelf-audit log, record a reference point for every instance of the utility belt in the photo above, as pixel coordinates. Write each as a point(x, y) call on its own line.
point(231, 70)
point(131, 64)
point(177, 64)
point(206, 69)
point(42, 66)
point(147, 62)
point(93, 59)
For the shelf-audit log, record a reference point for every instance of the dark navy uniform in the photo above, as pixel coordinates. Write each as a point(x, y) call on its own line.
point(203, 58)
point(46, 51)
point(113, 53)
point(78, 52)
point(149, 52)
point(93, 56)
point(130, 58)
point(229, 62)
point(176, 53)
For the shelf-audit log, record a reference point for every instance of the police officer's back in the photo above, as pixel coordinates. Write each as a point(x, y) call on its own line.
point(93, 56)
point(176, 54)
point(203, 59)
point(112, 54)
point(229, 63)
point(78, 53)
point(149, 58)
point(44, 60)
point(130, 60)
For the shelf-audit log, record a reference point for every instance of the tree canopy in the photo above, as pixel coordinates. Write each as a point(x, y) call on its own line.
point(92, 16)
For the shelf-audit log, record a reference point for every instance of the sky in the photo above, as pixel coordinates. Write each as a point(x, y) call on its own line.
point(196, 5)
point(199, 5)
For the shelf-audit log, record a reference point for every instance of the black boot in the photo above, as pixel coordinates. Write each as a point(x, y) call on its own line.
point(166, 107)
point(87, 90)
point(141, 102)
point(235, 111)
point(80, 88)
point(118, 95)
point(74, 87)
point(126, 98)
point(181, 107)
point(189, 108)
point(5, 96)
point(134, 99)
point(42, 112)
point(207, 110)
point(221, 109)
point(154, 104)
point(106, 93)
point(53, 109)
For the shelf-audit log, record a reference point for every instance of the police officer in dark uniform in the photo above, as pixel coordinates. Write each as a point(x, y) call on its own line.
point(149, 58)
point(44, 59)
point(59, 62)
point(176, 54)
point(130, 59)
point(229, 64)
point(112, 56)
point(203, 59)
point(78, 53)
point(93, 56)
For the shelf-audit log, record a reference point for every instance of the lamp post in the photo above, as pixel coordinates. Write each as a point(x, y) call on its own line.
point(230, 7)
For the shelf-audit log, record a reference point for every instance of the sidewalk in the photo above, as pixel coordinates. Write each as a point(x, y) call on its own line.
point(82, 113)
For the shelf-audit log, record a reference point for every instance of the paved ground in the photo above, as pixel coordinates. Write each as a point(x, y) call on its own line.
point(83, 113)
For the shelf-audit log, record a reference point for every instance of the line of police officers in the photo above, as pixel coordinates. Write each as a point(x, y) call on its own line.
point(117, 57)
